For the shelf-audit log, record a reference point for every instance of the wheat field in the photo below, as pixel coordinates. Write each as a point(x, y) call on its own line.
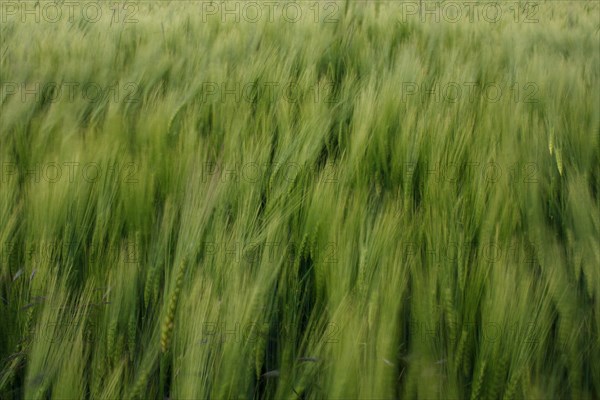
point(300, 200)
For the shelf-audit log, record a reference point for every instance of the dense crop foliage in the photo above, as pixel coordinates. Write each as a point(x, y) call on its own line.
point(360, 203)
